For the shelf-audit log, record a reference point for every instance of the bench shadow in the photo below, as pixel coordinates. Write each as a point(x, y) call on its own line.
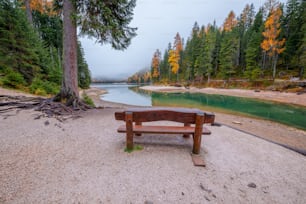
point(164, 140)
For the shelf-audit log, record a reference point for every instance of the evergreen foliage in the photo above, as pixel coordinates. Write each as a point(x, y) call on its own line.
point(31, 54)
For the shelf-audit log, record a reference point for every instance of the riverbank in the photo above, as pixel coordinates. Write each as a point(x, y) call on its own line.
point(268, 130)
point(281, 97)
point(82, 160)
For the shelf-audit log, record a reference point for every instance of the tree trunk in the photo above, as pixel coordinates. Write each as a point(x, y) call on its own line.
point(28, 11)
point(69, 90)
point(274, 62)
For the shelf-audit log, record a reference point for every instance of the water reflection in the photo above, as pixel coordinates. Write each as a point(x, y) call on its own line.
point(286, 114)
point(124, 93)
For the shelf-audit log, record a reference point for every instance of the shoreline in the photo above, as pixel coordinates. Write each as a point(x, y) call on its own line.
point(265, 129)
point(275, 96)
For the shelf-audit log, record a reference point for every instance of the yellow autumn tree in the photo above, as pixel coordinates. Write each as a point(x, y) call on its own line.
point(174, 54)
point(42, 6)
point(230, 22)
point(178, 44)
point(174, 60)
point(155, 63)
point(271, 44)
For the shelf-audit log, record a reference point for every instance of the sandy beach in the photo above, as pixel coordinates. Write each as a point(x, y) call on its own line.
point(82, 160)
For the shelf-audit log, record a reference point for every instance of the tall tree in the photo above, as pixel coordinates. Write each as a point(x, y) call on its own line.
point(302, 48)
point(229, 47)
point(244, 23)
point(230, 22)
point(271, 43)
point(173, 61)
point(253, 50)
point(107, 21)
point(155, 64)
point(292, 25)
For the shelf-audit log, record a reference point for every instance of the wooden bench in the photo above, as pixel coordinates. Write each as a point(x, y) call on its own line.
point(181, 115)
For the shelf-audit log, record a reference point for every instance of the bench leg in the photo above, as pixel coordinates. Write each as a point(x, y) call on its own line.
point(186, 125)
point(198, 134)
point(138, 123)
point(129, 130)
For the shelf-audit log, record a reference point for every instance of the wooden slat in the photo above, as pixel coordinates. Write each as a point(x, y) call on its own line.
point(182, 115)
point(163, 129)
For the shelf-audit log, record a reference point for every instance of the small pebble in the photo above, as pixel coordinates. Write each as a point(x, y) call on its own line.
point(252, 185)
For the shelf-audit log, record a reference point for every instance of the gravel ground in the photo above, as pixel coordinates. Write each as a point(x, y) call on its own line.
point(83, 161)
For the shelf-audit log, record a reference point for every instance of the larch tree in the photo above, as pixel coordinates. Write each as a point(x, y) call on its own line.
point(156, 64)
point(230, 22)
point(107, 21)
point(271, 44)
point(173, 61)
point(178, 48)
point(42, 6)
point(178, 44)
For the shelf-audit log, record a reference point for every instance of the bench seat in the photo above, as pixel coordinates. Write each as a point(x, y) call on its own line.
point(162, 129)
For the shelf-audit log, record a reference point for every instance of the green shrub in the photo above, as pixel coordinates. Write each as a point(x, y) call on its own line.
point(88, 100)
point(13, 80)
point(41, 87)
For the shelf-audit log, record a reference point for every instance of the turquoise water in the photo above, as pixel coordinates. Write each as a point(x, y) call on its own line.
point(130, 94)
point(122, 93)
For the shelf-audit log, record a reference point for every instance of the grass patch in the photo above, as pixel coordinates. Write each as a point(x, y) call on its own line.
point(88, 100)
point(135, 148)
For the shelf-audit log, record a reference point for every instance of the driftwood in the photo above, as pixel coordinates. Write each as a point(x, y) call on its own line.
point(47, 106)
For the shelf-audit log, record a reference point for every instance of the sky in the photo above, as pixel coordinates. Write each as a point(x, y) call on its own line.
point(157, 21)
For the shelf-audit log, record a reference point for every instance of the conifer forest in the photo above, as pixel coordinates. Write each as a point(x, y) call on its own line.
point(264, 44)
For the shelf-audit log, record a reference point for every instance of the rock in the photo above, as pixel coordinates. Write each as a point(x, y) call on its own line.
point(252, 185)
point(237, 122)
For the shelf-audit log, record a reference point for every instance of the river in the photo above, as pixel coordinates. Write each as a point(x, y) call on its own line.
point(130, 94)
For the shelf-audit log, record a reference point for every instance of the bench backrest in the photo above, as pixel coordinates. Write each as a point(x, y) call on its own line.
point(181, 115)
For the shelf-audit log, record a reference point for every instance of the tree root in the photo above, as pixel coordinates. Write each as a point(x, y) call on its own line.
point(48, 107)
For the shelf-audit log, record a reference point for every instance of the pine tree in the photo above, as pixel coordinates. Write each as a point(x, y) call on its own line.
point(20, 47)
point(244, 24)
point(253, 50)
point(292, 24)
point(229, 47)
point(302, 47)
point(107, 21)
point(84, 77)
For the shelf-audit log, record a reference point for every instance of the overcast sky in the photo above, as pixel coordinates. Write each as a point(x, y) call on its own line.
point(157, 21)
